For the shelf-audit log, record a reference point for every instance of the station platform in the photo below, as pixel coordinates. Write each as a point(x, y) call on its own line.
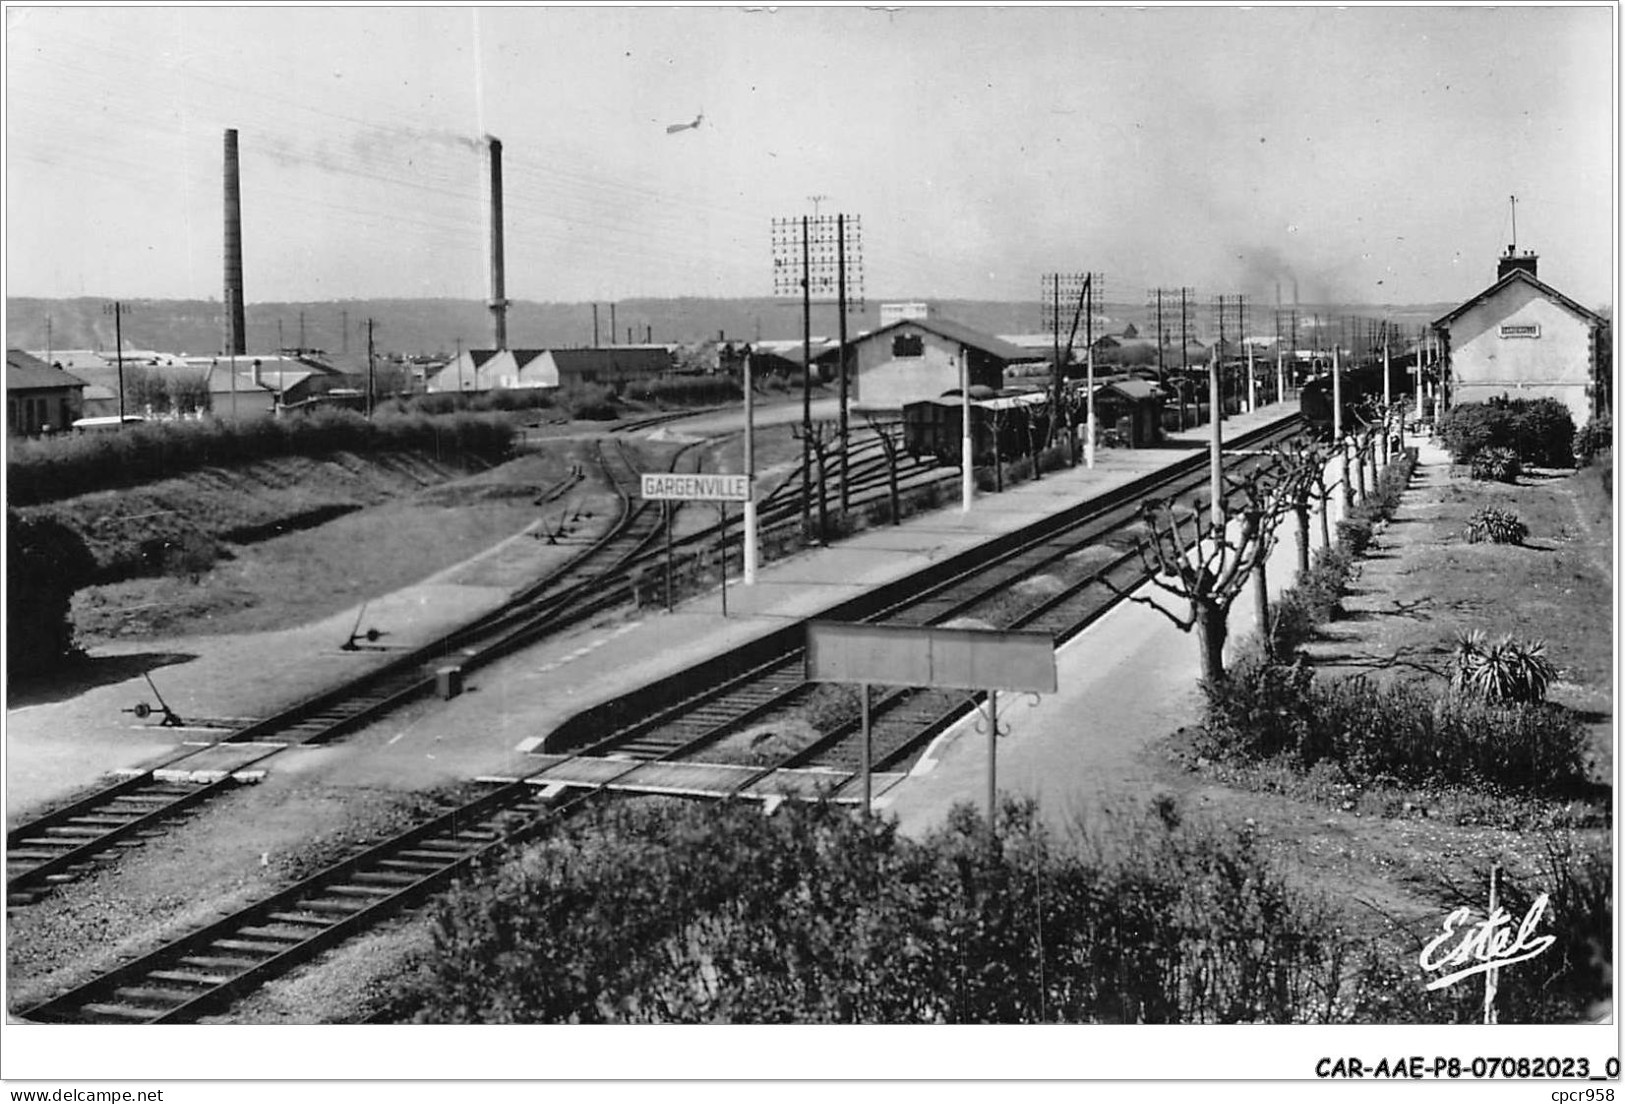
point(510, 706)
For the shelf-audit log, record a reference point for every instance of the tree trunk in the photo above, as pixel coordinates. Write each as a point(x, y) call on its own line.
point(1361, 448)
point(1301, 509)
point(1261, 604)
point(1344, 475)
point(1211, 629)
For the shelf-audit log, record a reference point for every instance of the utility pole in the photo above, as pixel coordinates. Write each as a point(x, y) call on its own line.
point(612, 322)
point(118, 311)
point(280, 344)
point(750, 471)
point(1184, 354)
point(595, 325)
point(302, 332)
point(806, 384)
point(369, 369)
point(840, 294)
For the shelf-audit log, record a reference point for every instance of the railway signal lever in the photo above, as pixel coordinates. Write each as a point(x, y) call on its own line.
point(371, 636)
point(142, 710)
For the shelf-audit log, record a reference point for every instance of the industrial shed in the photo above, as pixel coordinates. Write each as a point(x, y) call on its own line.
point(39, 398)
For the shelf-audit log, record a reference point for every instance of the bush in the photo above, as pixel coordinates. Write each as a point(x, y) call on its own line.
point(40, 470)
point(1496, 526)
point(45, 563)
point(1595, 439)
point(1543, 433)
point(1400, 732)
point(1538, 431)
point(1470, 428)
point(1505, 670)
point(677, 913)
point(1499, 465)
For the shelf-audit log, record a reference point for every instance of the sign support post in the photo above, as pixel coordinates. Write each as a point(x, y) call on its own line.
point(992, 758)
point(722, 552)
point(665, 510)
point(868, 781)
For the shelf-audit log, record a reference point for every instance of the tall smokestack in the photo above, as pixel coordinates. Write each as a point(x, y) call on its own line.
point(236, 330)
point(499, 299)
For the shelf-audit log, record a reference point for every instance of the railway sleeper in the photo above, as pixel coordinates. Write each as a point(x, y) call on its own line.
point(337, 907)
point(371, 893)
point(118, 1013)
point(418, 867)
point(157, 998)
point(298, 919)
point(260, 947)
point(236, 964)
point(385, 877)
point(191, 977)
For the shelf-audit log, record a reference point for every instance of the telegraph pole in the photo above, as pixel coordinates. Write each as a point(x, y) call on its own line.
point(118, 311)
point(1184, 354)
point(806, 384)
point(840, 279)
point(369, 369)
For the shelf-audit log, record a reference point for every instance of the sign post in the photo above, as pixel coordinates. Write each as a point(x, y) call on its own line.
point(924, 655)
point(722, 552)
point(669, 487)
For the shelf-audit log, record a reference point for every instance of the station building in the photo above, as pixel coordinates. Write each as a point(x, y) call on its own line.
point(920, 358)
point(1523, 339)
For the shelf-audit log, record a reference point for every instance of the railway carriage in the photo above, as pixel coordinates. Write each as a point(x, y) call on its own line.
point(1008, 422)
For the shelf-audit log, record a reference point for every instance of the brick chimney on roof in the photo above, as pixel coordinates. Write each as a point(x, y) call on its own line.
point(1512, 261)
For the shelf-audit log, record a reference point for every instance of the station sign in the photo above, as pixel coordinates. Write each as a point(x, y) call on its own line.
point(1523, 329)
point(924, 655)
point(678, 487)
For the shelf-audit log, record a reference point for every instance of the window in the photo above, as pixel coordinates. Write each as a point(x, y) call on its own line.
point(907, 345)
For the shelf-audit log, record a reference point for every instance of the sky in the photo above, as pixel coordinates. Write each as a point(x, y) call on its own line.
point(1360, 154)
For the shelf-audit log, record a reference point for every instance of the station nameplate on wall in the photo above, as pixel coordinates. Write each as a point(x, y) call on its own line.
point(1521, 329)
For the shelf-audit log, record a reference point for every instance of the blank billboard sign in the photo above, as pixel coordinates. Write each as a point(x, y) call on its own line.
point(921, 655)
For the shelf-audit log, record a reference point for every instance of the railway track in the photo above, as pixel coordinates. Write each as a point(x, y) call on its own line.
point(700, 713)
point(60, 845)
point(205, 971)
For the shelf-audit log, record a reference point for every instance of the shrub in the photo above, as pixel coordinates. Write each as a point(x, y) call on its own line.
point(45, 563)
point(1497, 526)
point(1538, 431)
point(1505, 670)
point(47, 470)
point(1499, 465)
point(1470, 428)
point(666, 912)
point(1397, 732)
point(1543, 433)
point(1597, 437)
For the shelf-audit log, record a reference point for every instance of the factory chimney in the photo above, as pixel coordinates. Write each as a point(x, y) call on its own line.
point(236, 332)
point(499, 301)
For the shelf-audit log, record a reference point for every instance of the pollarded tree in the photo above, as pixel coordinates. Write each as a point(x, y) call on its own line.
point(1207, 570)
point(890, 433)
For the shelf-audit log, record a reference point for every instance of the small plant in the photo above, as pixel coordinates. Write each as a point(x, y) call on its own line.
point(1501, 671)
point(1497, 526)
point(1498, 465)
